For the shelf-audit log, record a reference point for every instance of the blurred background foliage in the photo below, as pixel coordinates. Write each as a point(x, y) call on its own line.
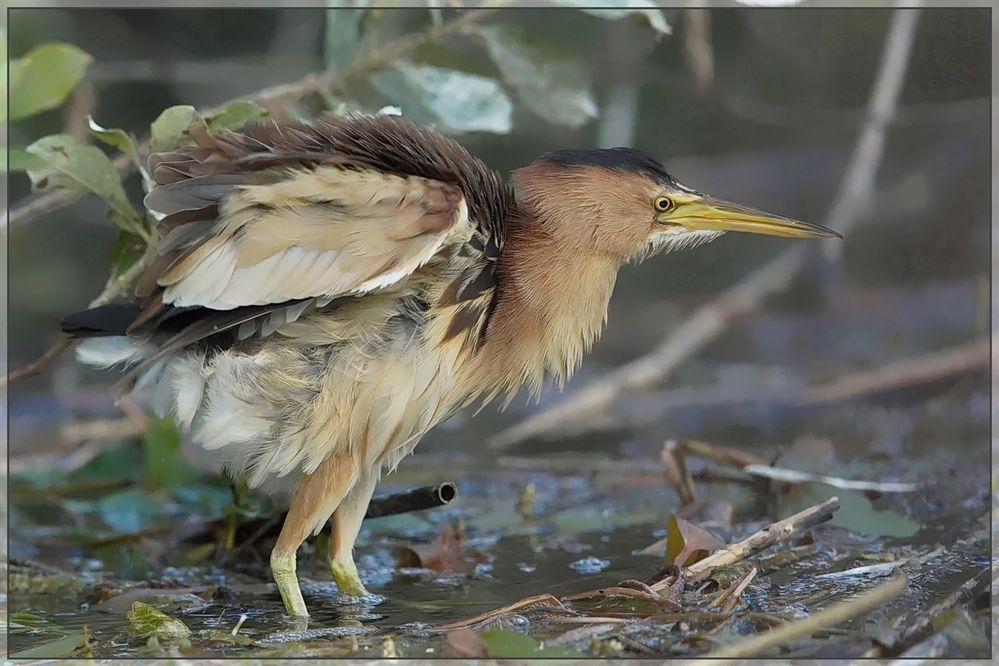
point(761, 107)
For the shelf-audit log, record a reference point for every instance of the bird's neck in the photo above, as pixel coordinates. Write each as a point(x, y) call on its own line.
point(551, 308)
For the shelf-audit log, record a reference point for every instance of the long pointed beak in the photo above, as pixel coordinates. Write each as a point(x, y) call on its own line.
point(710, 214)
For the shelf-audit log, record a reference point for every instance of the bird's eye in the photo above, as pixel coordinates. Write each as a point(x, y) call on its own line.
point(663, 204)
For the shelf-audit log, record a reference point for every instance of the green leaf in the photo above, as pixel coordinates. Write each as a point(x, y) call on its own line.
point(235, 115)
point(129, 510)
point(504, 643)
point(164, 467)
point(343, 32)
point(78, 166)
point(856, 513)
point(123, 141)
point(144, 621)
point(171, 130)
point(19, 159)
point(55, 649)
point(43, 78)
point(125, 251)
point(555, 89)
point(455, 101)
point(647, 10)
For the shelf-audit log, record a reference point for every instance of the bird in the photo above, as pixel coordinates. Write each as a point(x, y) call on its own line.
point(323, 293)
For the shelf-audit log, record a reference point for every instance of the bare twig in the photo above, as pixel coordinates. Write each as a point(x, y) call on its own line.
point(725, 455)
point(795, 476)
point(782, 530)
point(697, 49)
point(754, 466)
point(326, 80)
point(829, 617)
point(115, 288)
point(497, 613)
point(909, 372)
point(713, 318)
point(729, 597)
point(936, 366)
point(39, 364)
point(677, 475)
point(628, 588)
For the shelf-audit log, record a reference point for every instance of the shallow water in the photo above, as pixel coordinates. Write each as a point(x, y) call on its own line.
point(584, 532)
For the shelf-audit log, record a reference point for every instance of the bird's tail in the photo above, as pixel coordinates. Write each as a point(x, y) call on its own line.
point(101, 321)
point(102, 330)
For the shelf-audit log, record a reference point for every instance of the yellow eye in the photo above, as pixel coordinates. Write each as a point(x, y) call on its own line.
point(663, 204)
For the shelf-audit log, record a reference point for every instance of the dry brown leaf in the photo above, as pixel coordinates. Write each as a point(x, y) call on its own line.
point(467, 643)
point(445, 554)
point(687, 542)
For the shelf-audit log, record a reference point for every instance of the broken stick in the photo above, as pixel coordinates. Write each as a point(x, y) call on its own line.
point(782, 530)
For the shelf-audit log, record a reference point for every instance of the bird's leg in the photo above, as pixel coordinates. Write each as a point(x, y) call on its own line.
point(314, 499)
point(345, 524)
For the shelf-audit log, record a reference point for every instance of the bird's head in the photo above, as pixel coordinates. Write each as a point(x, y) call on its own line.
point(622, 203)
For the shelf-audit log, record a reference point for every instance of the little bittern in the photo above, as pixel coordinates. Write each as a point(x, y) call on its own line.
point(326, 293)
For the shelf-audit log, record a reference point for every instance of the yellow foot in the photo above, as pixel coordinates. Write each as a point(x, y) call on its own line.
point(345, 575)
point(283, 570)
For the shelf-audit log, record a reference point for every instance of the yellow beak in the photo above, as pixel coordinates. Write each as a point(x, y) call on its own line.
point(710, 214)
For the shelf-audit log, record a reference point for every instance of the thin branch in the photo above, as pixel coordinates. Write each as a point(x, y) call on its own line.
point(114, 288)
point(935, 366)
point(39, 364)
point(376, 59)
point(547, 599)
point(824, 619)
point(900, 374)
point(712, 319)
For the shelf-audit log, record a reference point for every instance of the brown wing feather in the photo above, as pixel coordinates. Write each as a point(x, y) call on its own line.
point(249, 222)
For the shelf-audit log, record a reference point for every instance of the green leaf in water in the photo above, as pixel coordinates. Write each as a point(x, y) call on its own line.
point(503, 643)
point(74, 165)
point(59, 648)
point(43, 78)
point(144, 621)
point(129, 510)
point(454, 101)
point(556, 89)
point(235, 115)
point(171, 129)
point(112, 464)
point(856, 513)
point(210, 501)
point(164, 466)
